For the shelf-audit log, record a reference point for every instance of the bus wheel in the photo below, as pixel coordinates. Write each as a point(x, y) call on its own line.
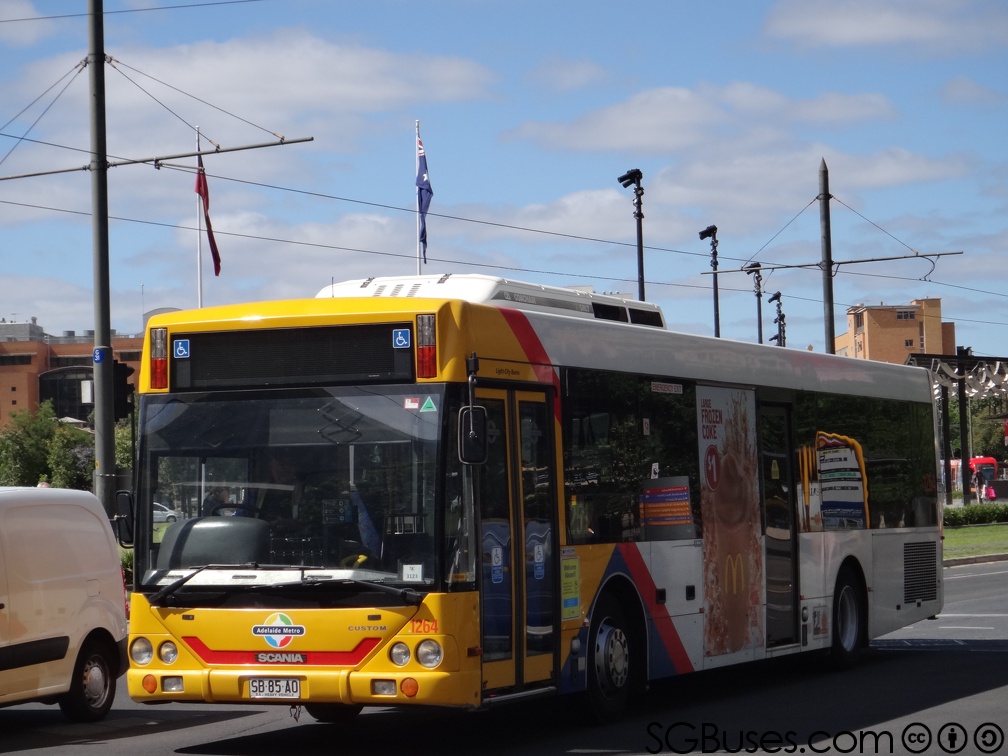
point(333, 713)
point(609, 679)
point(93, 685)
point(848, 621)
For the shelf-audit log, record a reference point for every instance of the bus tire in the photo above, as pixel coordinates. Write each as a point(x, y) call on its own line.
point(609, 662)
point(93, 685)
point(333, 713)
point(848, 621)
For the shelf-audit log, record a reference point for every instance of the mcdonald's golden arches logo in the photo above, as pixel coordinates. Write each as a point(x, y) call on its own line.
point(734, 570)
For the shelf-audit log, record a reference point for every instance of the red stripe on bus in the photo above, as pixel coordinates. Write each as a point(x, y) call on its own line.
point(311, 658)
point(662, 621)
point(533, 348)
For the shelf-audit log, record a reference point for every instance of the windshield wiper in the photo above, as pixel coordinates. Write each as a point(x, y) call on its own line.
point(172, 587)
point(408, 595)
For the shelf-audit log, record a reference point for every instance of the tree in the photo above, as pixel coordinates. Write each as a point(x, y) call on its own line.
point(24, 446)
point(71, 458)
point(35, 446)
point(123, 435)
point(985, 427)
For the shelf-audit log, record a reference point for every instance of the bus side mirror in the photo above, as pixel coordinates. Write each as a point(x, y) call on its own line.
point(124, 518)
point(472, 430)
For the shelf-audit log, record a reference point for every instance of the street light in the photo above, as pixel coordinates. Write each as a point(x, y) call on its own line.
point(780, 337)
point(711, 232)
point(754, 269)
point(633, 177)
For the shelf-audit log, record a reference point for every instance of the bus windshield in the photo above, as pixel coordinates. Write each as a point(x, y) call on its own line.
point(336, 483)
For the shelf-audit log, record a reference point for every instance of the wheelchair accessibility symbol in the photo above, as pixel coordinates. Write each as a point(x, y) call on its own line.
point(181, 349)
point(400, 338)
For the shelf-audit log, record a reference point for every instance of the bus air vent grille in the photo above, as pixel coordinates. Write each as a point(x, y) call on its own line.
point(920, 571)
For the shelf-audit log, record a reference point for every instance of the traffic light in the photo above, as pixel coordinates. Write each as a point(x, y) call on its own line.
point(122, 390)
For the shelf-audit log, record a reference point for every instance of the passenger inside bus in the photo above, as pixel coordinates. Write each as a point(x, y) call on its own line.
point(217, 497)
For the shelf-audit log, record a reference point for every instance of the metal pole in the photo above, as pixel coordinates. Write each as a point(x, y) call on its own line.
point(639, 215)
point(946, 431)
point(199, 238)
point(754, 268)
point(634, 176)
point(964, 440)
point(827, 258)
point(105, 471)
point(711, 231)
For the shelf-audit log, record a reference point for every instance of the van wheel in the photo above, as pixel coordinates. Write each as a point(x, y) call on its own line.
point(333, 713)
point(609, 662)
point(848, 621)
point(93, 685)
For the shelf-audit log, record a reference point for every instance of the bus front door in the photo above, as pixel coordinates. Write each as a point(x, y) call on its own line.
point(518, 526)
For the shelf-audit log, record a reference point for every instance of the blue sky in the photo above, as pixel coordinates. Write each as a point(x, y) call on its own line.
point(529, 112)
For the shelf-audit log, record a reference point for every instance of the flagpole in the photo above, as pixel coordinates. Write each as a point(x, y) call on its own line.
point(199, 240)
point(416, 152)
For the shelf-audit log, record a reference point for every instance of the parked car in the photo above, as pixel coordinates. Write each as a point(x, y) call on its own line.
point(63, 599)
point(163, 513)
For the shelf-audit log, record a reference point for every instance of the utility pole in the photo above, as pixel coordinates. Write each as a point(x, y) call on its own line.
point(102, 355)
point(755, 268)
point(633, 177)
point(105, 469)
point(825, 265)
point(780, 336)
point(711, 232)
point(827, 258)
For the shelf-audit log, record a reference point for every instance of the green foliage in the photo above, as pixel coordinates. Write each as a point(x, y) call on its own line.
point(35, 446)
point(126, 559)
point(976, 514)
point(70, 457)
point(123, 439)
point(985, 427)
point(24, 446)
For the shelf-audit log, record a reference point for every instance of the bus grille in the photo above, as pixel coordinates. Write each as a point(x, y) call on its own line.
point(920, 571)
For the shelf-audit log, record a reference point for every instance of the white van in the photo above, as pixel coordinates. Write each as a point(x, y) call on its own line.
point(62, 602)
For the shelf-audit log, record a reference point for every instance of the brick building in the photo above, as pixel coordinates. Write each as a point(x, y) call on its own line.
point(891, 333)
point(36, 366)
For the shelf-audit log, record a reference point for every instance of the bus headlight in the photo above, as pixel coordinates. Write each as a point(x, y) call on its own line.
point(141, 651)
point(399, 654)
point(429, 653)
point(168, 652)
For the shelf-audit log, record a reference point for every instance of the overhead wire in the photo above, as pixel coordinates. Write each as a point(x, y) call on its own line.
point(180, 6)
point(18, 140)
point(118, 64)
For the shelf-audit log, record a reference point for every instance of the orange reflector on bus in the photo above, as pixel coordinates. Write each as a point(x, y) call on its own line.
point(149, 683)
point(409, 687)
point(159, 358)
point(426, 353)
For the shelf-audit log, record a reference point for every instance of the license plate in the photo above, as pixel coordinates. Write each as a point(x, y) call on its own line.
point(274, 687)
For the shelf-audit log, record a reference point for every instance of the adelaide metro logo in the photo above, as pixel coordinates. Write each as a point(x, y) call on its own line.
point(278, 630)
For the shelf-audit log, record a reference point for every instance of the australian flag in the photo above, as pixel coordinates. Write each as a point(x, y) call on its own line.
point(424, 194)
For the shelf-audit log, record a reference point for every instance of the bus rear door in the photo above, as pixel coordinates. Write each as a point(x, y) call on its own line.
point(779, 514)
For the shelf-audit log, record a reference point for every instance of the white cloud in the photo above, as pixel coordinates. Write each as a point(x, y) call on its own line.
point(965, 91)
point(569, 75)
point(672, 119)
point(15, 30)
point(936, 24)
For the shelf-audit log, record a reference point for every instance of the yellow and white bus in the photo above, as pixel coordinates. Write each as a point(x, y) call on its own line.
point(460, 490)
